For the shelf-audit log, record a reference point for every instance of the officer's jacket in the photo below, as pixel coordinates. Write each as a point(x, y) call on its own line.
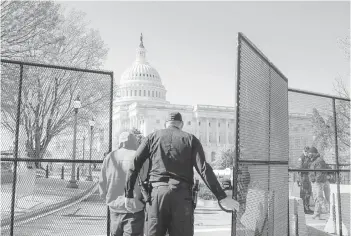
point(173, 154)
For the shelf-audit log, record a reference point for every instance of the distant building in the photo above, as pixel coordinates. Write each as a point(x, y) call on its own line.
point(142, 104)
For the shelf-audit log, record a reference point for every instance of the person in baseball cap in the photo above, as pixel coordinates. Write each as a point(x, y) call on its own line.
point(111, 187)
point(127, 140)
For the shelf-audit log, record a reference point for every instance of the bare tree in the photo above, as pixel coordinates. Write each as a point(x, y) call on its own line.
point(27, 27)
point(48, 94)
point(323, 128)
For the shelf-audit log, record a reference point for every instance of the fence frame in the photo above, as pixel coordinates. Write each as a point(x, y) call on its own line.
point(241, 37)
point(15, 159)
point(337, 169)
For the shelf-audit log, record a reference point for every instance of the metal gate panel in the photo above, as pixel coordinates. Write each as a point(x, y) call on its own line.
point(254, 101)
point(262, 142)
point(46, 136)
point(279, 138)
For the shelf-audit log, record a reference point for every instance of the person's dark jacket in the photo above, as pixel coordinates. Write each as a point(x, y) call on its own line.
point(173, 154)
point(317, 163)
point(303, 163)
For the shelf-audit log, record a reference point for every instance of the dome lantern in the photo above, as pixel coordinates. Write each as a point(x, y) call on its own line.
point(141, 81)
point(141, 52)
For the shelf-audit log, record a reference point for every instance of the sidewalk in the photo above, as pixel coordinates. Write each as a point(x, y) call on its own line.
point(49, 194)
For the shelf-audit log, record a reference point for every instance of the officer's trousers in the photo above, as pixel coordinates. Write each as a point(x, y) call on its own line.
point(171, 210)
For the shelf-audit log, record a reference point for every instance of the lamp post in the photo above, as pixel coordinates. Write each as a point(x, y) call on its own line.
point(73, 182)
point(91, 123)
point(83, 165)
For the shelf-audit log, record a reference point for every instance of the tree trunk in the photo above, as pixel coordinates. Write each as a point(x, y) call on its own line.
point(36, 153)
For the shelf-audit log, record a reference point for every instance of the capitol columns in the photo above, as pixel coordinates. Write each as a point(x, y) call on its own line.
point(140, 120)
point(207, 131)
point(145, 126)
point(136, 122)
point(130, 123)
point(133, 122)
point(217, 131)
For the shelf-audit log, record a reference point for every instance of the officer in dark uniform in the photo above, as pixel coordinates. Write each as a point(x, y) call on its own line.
point(173, 154)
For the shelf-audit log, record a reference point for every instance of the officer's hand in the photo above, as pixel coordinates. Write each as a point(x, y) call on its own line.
point(229, 204)
point(130, 204)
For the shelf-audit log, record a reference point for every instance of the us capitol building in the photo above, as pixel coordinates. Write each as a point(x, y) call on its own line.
point(142, 104)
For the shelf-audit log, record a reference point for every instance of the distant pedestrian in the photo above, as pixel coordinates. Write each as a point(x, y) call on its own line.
point(304, 181)
point(318, 179)
point(111, 186)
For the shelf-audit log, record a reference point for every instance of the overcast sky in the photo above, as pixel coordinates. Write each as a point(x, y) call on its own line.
point(193, 44)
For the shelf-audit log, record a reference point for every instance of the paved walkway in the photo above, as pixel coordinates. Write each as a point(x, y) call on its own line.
point(48, 195)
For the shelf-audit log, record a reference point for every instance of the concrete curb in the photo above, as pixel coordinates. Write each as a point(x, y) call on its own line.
point(316, 232)
point(49, 209)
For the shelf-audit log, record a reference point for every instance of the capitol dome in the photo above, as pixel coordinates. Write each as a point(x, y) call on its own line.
point(141, 81)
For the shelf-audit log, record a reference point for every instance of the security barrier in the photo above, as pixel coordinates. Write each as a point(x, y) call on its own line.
point(262, 141)
point(56, 127)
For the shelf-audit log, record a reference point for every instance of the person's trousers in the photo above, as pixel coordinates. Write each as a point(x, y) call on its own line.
point(171, 210)
point(318, 197)
point(127, 224)
point(305, 191)
point(327, 191)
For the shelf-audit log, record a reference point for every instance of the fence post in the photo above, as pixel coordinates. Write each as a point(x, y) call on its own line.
point(237, 142)
point(110, 145)
point(334, 214)
point(47, 171)
point(78, 173)
point(63, 172)
point(337, 168)
point(18, 115)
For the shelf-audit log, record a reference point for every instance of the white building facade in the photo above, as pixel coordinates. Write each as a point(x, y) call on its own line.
point(142, 104)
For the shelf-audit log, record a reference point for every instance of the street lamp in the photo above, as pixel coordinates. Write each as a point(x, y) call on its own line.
point(91, 123)
point(73, 182)
point(83, 165)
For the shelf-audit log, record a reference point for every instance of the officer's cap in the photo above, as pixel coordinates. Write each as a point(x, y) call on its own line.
point(313, 150)
point(174, 116)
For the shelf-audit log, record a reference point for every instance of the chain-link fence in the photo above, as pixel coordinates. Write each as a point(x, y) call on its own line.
point(322, 122)
point(56, 128)
point(280, 190)
point(261, 161)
